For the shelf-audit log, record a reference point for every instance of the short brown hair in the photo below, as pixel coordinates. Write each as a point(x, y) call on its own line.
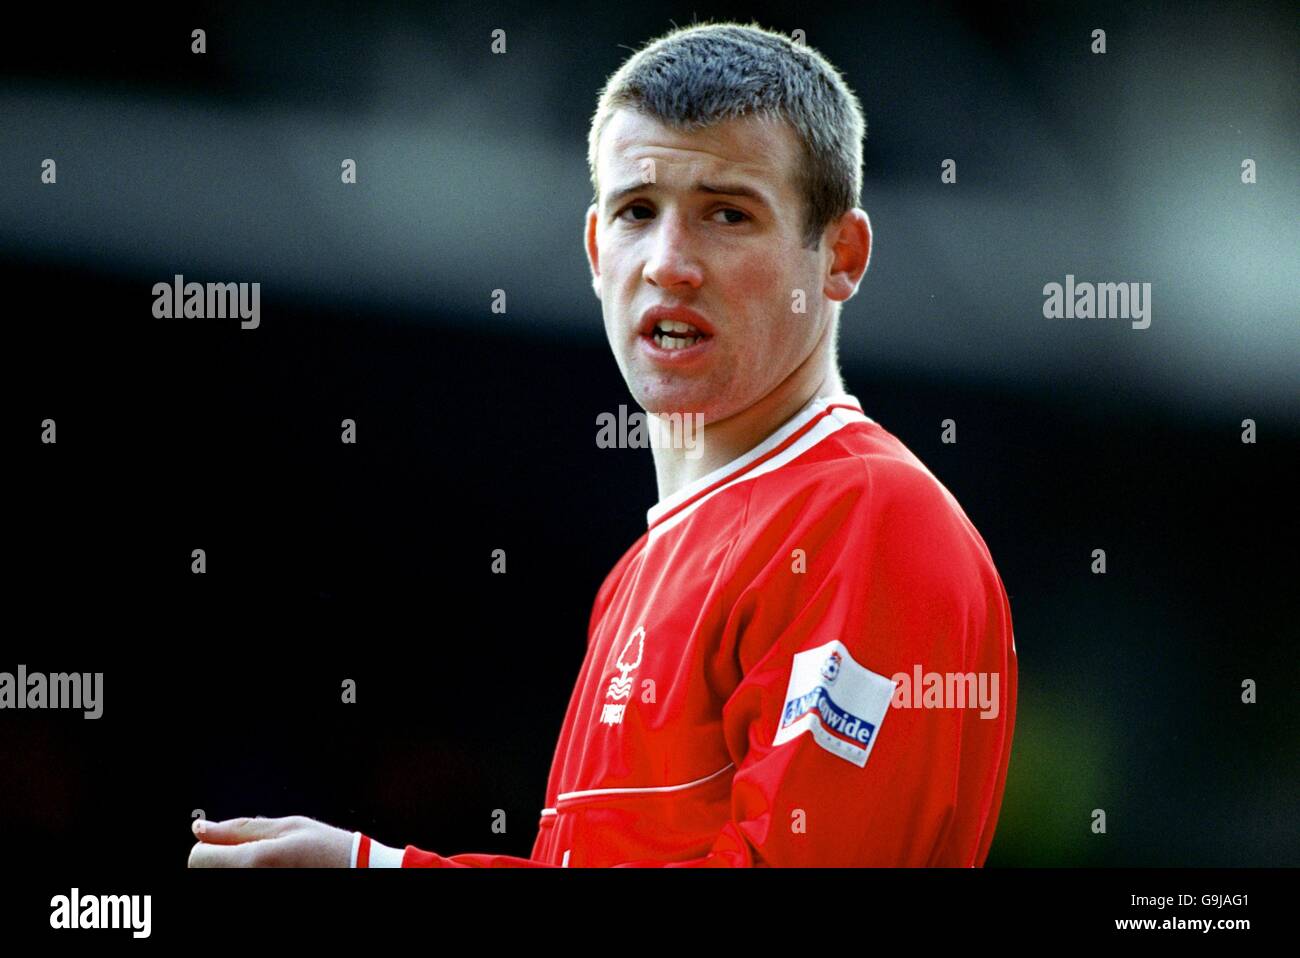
point(703, 74)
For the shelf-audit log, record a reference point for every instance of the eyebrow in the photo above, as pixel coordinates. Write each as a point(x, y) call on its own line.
point(724, 189)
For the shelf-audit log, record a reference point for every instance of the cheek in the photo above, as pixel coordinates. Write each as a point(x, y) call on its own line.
point(768, 292)
point(613, 286)
point(620, 277)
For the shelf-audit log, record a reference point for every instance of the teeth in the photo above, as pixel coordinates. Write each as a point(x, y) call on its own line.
point(674, 342)
point(677, 326)
point(675, 334)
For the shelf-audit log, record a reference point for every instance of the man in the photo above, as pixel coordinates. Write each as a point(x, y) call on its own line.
point(744, 699)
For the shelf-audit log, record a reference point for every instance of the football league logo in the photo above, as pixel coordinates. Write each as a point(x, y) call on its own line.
point(831, 667)
point(620, 686)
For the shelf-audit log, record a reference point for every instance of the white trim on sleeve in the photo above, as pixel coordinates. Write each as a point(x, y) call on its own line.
point(382, 856)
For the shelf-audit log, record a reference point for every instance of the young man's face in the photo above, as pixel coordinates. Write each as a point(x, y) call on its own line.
point(688, 240)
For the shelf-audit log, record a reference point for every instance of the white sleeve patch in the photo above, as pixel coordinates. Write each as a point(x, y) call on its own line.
point(841, 703)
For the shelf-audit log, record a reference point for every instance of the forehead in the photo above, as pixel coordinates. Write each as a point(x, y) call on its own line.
point(762, 151)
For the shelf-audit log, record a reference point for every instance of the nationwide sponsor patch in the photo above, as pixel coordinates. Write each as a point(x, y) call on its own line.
point(836, 700)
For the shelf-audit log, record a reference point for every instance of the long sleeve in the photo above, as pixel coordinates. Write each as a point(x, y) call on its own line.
point(367, 853)
point(848, 746)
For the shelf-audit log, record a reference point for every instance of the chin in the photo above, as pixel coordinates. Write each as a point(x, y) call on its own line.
point(661, 400)
point(711, 406)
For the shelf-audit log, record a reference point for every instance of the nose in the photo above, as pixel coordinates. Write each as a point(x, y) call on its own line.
point(672, 257)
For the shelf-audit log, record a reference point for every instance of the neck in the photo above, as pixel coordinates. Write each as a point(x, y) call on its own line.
point(718, 443)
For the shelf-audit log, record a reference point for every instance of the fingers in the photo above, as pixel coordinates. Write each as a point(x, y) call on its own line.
point(247, 855)
point(292, 842)
point(236, 831)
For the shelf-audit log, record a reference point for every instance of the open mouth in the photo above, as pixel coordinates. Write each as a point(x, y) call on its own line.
point(674, 334)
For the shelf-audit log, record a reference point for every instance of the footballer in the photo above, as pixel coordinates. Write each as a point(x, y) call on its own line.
point(740, 702)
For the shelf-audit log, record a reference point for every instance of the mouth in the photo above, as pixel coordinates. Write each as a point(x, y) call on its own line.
point(667, 345)
point(674, 334)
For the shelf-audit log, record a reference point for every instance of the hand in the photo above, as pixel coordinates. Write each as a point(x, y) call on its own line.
point(292, 842)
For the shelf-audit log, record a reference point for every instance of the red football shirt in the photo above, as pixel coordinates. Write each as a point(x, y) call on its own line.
point(806, 660)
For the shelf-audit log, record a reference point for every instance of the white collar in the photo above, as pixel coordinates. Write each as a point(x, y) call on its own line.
point(828, 413)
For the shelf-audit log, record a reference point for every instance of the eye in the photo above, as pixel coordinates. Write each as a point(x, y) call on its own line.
point(739, 216)
point(744, 217)
point(633, 206)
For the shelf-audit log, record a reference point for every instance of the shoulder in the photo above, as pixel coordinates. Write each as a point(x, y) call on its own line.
point(867, 501)
point(868, 476)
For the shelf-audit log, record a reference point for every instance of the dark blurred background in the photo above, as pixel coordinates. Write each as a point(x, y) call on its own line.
point(476, 430)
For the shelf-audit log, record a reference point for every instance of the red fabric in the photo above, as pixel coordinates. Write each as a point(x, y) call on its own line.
point(894, 570)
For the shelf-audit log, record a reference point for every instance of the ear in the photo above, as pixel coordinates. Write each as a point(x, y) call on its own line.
point(849, 240)
point(593, 252)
